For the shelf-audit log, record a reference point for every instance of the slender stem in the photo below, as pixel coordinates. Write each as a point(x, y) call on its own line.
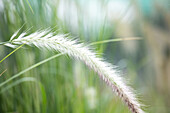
point(30, 6)
point(114, 40)
point(11, 53)
point(31, 67)
point(25, 79)
point(3, 72)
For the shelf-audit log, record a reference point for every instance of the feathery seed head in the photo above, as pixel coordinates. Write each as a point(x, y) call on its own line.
point(106, 71)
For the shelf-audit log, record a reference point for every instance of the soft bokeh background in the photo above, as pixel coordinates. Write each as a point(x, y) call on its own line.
point(64, 85)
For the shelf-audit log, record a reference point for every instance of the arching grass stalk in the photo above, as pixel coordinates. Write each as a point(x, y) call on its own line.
point(25, 79)
point(107, 72)
point(55, 56)
point(115, 40)
point(27, 69)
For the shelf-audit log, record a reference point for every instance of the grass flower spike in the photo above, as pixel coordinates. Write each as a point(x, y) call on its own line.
point(48, 40)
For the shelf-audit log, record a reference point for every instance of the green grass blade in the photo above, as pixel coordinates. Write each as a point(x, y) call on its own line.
point(29, 79)
point(31, 67)
point(30, 6)
point(44, 97)
point(114, 40)
point(25, 79)
point(11, 53)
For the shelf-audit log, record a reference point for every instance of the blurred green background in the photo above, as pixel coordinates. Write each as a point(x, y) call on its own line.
point(64, 85)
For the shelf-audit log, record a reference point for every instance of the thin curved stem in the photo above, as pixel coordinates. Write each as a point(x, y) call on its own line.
point(11, 53)
point(115, 40)
point(31, 67)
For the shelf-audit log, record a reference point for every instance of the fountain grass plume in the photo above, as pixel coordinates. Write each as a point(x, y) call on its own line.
point(45, 39)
